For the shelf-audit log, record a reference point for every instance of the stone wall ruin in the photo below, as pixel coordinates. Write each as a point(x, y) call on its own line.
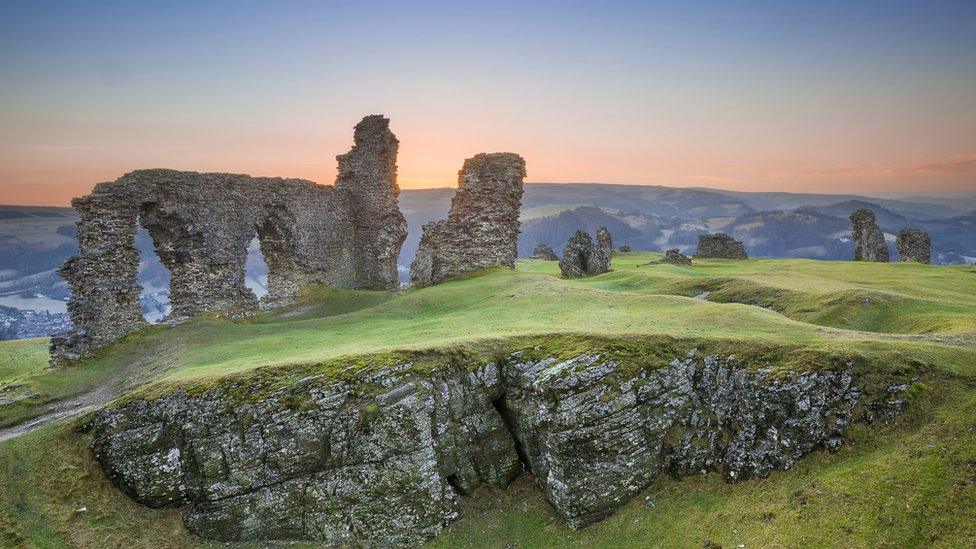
point(719, 246)
point(914, 245)
point(482, 226)
point(869, 241)
point(583, 257)
point(545, 253)
point(346, 235)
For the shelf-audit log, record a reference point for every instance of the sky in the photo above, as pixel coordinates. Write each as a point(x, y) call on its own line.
point(833, 96)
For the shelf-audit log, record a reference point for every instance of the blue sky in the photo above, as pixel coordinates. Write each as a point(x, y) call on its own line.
point(825, 96)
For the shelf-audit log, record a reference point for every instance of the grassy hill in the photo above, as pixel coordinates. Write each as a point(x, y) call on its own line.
point(908, 484)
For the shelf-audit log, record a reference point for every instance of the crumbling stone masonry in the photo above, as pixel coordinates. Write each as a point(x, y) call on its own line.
point(914, 245)
point(545, 253)
point(346, 235)
point(481, 229)
point(869, 241)
point(675, 257)
point(583, 257)
point(719, 246)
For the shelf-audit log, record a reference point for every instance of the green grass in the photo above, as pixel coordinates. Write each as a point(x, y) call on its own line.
point(909, 485)
point(899, 486)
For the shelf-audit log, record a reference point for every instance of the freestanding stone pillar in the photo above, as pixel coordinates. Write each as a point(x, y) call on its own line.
point(481, 229)
point(104, 304)
point(914, 245)
point(869, 241)
point(583, 257)
point(368, 174)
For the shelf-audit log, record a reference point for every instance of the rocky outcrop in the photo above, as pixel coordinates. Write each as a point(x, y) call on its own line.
point(346, 235)
point(545, 253)
point(583, 257)
point(719, 246)
point(482, 226)
point(914, 245)
point(869, 241)
point(675, 256)
point(383, 458)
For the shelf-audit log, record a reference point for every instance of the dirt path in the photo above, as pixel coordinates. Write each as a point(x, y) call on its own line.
point(61, 409)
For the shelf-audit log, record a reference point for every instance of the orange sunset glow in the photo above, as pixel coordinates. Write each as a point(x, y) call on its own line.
point(636, 94)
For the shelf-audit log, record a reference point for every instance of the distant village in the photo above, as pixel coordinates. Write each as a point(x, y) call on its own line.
point(22, 324)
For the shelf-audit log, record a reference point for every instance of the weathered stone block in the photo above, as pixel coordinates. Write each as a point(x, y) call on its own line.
point(675, 256)
point(385, 458)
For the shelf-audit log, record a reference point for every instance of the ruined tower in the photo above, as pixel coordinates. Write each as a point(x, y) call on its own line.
point(482, 227)
point(367, 173)
point(869, 241)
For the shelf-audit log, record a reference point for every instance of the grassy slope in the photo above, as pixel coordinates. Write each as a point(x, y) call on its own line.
point(923, 463)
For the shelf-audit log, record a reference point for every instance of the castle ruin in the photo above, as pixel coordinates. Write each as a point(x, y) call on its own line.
point(719, 246)
point(482, 226)
point(869, 241)
point(914, 245)
point(583, 257)
point(347, 235)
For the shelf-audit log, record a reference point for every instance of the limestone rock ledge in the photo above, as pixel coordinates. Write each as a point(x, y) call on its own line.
point(383, 459)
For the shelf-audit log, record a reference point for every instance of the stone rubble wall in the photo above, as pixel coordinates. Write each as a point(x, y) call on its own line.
point(583, 257)
point(675, 257)
point(346, 235)
point(368, 175)
point(914, 245)
point(545, 253)
point(482, 226)
point(869, 241)
point(719, 246)
point(385, 458)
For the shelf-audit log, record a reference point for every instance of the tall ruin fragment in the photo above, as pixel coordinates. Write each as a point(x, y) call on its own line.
point(869, 241)
point(346, 235)
point(914, 245)
point(482, 227)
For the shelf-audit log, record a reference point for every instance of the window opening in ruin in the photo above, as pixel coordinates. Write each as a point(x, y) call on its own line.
point(154, 278)
point(256, 269)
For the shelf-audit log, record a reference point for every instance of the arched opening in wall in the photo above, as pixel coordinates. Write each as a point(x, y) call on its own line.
point(154, 278)
point(256, 269)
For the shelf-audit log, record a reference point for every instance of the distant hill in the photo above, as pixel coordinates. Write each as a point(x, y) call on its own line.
point(36, 240)
point(913, 209)
point(887, 219)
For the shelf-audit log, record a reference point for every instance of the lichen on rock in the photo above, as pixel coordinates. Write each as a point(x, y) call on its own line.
point(383, 457)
